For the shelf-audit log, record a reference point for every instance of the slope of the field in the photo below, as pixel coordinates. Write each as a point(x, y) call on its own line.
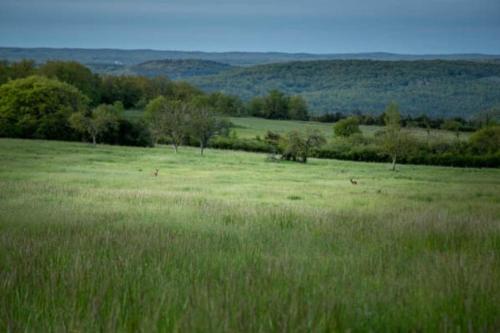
point(91, 241)
point(435, 88)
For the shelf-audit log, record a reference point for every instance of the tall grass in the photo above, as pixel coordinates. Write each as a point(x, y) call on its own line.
point(91, 241)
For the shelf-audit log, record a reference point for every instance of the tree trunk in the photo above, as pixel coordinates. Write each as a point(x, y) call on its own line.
point(393, 163)
point(175, 147)
point(202, 147)
point(94, 141)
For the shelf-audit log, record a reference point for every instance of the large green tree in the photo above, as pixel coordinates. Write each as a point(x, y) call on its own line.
point(486, 140)
point(297, 108)
point(275, 105)
point(75, 74)
point(168, 120)
point(204, 124)
point(97, 121)
point(39, 107)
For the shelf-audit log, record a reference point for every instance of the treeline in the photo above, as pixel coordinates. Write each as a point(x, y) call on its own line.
point(136, 91)
point(393, 142)
point(66, 101)
point(452, 124)
point(439, 89)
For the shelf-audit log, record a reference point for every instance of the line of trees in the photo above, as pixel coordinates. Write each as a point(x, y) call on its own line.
point(455, 124)
point(137, 91)
point(56, 102)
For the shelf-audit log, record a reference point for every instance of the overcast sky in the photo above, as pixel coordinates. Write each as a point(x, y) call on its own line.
point(315, 26)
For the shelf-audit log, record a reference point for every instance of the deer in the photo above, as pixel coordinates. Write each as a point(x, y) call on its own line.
point(353, 182)
point(155, 173)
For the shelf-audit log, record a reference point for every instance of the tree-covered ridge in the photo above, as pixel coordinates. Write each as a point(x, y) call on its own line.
point(176, 69)
point(434, 88)
point(118, 57)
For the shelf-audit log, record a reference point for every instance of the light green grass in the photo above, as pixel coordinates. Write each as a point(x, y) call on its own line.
point(250, 127)
point(91, 241)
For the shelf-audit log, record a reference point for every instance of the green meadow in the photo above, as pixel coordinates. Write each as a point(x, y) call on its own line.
point(91, 240)
point(251, 127)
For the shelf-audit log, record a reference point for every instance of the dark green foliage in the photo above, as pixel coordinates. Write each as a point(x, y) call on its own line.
point(129, 133)
point(16, 70)
point(297, 108)
point(277, 105)
point(127, 89)
point(38, 107)
point(168, 120)
point(434, 88)
point(347, 127)
point(486, 140)
point(175, 69)
point(224, 142)
point(296, 146)
point(226, 104)
point(96, 122)
point(203, 124)
point(75, 74)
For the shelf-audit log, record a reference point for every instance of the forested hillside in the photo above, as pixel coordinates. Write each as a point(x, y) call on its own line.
point(175, 69)
point(122, 58)
point(435, 88)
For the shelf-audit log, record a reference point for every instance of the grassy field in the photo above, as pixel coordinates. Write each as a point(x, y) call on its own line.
point(91, 241)
point(250, 127)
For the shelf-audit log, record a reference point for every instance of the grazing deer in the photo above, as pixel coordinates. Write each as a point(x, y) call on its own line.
point(155, 173)
point(353, 182)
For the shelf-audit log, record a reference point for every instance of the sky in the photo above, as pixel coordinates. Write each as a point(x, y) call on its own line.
point(312, 26)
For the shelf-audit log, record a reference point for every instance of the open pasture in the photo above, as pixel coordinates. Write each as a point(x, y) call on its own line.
point(91, 240)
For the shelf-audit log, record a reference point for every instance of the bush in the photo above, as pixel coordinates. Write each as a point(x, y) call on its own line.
point(347, 127)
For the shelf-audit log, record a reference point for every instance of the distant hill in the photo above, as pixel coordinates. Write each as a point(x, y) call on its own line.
point(436, 88)
point(176, 69)
point(120, 58)
point(454, 85)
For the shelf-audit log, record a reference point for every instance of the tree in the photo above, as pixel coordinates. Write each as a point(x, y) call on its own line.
point(488, 117)
point(297, 146)
point(452, 126)
point(256, 107)
point(98, 121)
point(486, 140)
point(168, 120)
point(38, 107)
point(297, 108)
point(347, 127)
point(16, 70)
point(225, 104)
point(275, 105)
point(392, 140)
point(75, 74)
point(127, 89)
point(203, 125)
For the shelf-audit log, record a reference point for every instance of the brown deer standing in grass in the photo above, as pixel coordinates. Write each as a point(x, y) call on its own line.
point(155, 173)
point(353, 182)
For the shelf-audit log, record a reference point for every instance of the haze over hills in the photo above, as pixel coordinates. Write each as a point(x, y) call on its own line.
point(134, 57)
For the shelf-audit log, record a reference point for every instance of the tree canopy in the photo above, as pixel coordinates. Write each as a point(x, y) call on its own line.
point(38, 107)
